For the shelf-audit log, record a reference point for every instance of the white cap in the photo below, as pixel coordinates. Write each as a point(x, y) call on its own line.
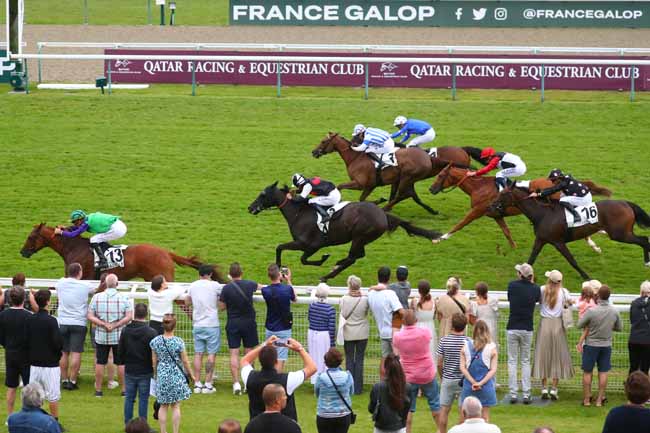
point(358, 129)
point(555, 276)
point(525, 270)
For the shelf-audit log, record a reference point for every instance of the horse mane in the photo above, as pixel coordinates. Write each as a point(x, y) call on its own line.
point(473, 152)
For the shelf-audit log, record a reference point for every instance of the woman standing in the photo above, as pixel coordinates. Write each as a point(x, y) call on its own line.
point(322, 326)
point(354, 312)
point(552, 357)
point(639, 343)
point(389, 402)
point(425, 311)
point(485, 308)
point(172, 383)
point(451, 303)
point(333, 389)
point(161, 301)
point(478, 363)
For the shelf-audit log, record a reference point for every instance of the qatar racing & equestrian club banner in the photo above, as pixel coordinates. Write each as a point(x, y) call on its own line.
point(352, 74)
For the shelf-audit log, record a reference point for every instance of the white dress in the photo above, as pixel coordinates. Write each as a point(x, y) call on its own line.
point(425, 320)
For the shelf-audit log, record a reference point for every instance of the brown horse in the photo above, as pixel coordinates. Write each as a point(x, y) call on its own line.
point(141, 261)
point(413, 164)
point(615, 217)
point(483, 191)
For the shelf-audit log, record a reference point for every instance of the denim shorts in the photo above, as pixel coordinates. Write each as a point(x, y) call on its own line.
point(449, 390)
point(429, 390)
point(207, 340)
point(592, 356)
point(386, 347)
point(283, 352)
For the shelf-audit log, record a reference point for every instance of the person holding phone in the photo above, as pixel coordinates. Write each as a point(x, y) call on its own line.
point(278, 297)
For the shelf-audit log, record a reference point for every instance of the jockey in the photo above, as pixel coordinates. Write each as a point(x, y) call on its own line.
point(408, 127)
point(104, 226)
point(324, 194)
point(509, 165)
point(573, 192)
point(375, 141)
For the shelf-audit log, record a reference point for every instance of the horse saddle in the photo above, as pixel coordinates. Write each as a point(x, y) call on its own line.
point(523, 184)
point(384, 160)
point(333, 213)
point(588, 215)
point(114, 256)
point(433, 152)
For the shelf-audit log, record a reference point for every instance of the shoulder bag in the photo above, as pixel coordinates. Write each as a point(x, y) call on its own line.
point(461, 306)
point(567, 313)
point(353, 416)
point(340, 340)
point(187, 378)
point(243, 295)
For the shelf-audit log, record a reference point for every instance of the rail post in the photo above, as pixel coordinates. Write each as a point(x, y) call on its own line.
point(366, 79)
point(110, 81)
point(38, 62)
point(543, 83)
point(193, 77)
point(86, 12)
point(453, 82)
point(149, 12)
point(632, 69)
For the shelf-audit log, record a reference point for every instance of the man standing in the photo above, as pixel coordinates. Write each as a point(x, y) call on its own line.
point(13, 337)
point(272, 419)
point(279, 319)
point(110, 311)
point(523, 294)
point(402, 289)
point(203, 294)
point(135, 352)
point(45, 344)
point(474, 423)
point(72, 294)
point(237, 298)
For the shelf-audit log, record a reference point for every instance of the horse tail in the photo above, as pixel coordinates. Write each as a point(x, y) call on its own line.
point(640, 216)
point(597, 189)
point(474, 152)
point(395, 222)
point(195, 262)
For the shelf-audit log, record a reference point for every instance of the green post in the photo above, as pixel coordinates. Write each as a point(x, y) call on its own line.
point(279, 84)
point(453, 82)
point(86, 12)
point(632, 83)
point(193, 78)
point(365, 96)
point(110, 82)
point(26, 79)
point(13, 45)
point(162, 15)
point(543, 83)
point(149, 12)
point(39, 64)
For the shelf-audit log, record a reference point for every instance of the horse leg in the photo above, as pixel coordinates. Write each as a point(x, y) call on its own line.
point(292, 246)
point(593, 245)
point(506, 231)
point(357, 251)
point(473, 214)
point(393, 191)
point(350, 185)
point(407, 190)
point(630, 238)
point(309, 253)
point(562, 248)
point(364, 195)
point(537, 248)
point(426, 207)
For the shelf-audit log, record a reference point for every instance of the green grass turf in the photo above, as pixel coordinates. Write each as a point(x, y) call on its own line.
point(202, 413)
point(182, 170)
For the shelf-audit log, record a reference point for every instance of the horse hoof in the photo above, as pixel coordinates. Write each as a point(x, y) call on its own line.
point(647, 265)
point(436, 241)
point(599, 250)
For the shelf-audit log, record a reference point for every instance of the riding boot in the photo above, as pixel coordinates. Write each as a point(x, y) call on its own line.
point(101, 263)
point(325, 216)
point(568, 206)
point(501, 183)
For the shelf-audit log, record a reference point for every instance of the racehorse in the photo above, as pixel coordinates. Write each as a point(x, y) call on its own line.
point(483, 191)
point(414, 164)
point(140, 261)
point(616, 217)
point(359, 223)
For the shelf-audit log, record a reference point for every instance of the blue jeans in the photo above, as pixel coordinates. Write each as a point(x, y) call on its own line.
point(136, 384)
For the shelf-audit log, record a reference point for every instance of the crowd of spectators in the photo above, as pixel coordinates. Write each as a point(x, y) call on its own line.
point(43, 353)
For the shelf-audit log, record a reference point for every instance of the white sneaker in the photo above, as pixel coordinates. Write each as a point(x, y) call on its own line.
point(198, 388)
point(209, 389)
point(113, 384)
point(236, 388)
point(554, 395)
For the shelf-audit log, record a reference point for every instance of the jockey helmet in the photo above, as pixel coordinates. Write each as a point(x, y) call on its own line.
point(77, 215)
point(358, 129)
point(298, 180)
point(487, 152)
point(400, 121)
point(556, 173)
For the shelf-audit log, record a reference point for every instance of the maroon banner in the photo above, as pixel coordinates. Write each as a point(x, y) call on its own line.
point(388, 74)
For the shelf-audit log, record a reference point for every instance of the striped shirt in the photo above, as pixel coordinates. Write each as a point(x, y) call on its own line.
point(449, 351)
point(375, 137)
point(322, 317)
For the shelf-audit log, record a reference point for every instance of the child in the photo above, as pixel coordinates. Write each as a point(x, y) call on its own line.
point(587, 301)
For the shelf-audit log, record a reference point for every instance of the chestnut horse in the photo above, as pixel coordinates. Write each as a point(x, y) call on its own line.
point(414, 164)
point(615, 217)
point(483, 191)
point(140, 260)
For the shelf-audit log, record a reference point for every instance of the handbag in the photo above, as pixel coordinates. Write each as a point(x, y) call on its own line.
point(340, 339)
point(474, 358)
point(353, 416)
point(567, 314)
point(187, 378)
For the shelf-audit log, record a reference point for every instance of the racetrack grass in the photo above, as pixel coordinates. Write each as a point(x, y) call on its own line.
point(182, 170)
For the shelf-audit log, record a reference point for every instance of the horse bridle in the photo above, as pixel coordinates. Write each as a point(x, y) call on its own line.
point(442, 190)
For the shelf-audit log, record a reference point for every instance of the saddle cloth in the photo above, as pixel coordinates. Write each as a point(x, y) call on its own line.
point(387, 159)
point(114, 256)
point(433, 152)
point(324, 228)
point(524, 184)
point(588, 215)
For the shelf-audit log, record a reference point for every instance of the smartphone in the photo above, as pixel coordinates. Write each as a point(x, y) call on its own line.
point(282, 342)
point(284, 270)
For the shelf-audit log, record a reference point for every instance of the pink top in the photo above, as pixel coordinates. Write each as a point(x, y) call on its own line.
point(415, 354)
point(583, 306)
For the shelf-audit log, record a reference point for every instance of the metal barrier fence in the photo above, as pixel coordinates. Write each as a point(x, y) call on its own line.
point(135, 290)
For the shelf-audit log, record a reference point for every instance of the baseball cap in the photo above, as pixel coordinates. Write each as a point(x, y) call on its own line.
point(525, 270)
point(554, 275)
point(402, 272)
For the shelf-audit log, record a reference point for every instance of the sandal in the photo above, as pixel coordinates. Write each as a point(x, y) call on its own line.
point(585, 404)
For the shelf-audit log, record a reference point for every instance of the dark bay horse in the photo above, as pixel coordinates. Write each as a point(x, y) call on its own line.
point(483, 191)
point(359, 223)
point(414, 164)
point(140, 260)
point(616, 217)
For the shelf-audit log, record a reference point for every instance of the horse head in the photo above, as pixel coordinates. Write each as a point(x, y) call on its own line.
point(443, 180)
point(509, 197)
point(271, 196)
point(39, 238)
point(327, 145)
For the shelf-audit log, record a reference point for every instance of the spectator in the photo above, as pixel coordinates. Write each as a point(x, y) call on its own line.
point(255, 381)
point(485, 308)
point(543, 430)
point(14, 339)
point(523, 294)
point(322, 328)
point(273, 419)
point(33, 419)
point(18, 280)
point(474, 422)
point(402, 289)
point(110, 311)
point(552, 357)
point(478, 363)
point(172, 383)
point(424, 308)
point(161, 301)
point(588, 299)
point(204, 296)
point(45, 343)
point(111, 368)
point(389, 401)
point(134, 351)
point(601, 321)
point(237, 298)
point(632, 417)
point(449, 349)
point(279, 319)
point(451, 303)
point(229, 426)
point(138, 425)
point(72, 294)
point(639, 343)
point(354, 314)
point(413, 343)
point(333, 389)
point(384, 304)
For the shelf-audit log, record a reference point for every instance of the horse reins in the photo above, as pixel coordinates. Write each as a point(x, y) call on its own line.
point(284, 202)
